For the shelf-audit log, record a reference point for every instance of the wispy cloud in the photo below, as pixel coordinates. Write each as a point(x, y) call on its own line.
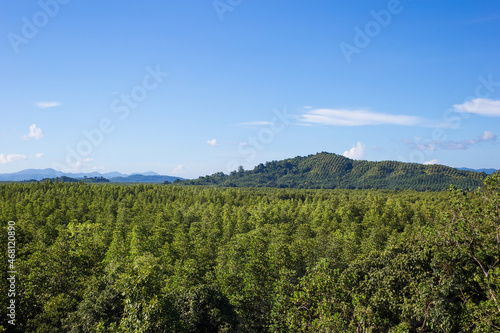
point(39, 155)
point(84, 165)
point(357, 152)
point(482, 106)
point(44, 105)
point(345, 117)
point(212, 142)
point(9, 158)
point(180, 169)
point(35, 133)
point(487, 136)
point(434, 161)
point(425, 146)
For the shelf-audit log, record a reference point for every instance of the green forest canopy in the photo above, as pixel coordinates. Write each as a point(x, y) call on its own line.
point(330, 171)
point(152, 258)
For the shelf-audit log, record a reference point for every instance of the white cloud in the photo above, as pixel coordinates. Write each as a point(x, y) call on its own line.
point(83, 165)
point(357, 152)
point(44, 105)
point(39, 155)
point(434, 161)
point(212, 142)
point(431, 145)
point(344, 117)
point(9, 158)
point(35, 133)
point(488, 136)
point(422, 146)
point(180, 169)
point(482, 106)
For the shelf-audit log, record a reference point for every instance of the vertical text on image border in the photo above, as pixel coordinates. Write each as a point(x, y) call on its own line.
point(11, 253)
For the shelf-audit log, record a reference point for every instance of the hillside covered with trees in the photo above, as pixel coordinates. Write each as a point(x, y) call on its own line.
point(153, 258)
point(330, 171)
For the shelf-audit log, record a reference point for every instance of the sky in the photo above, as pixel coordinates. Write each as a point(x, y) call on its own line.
point(188, 88)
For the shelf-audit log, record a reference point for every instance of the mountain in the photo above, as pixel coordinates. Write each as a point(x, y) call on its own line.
point(39, 174)
point(36, 174)
point(149, 173)
point(75, 180)
point(112, 174)
point(487, 171)
point(326, 170)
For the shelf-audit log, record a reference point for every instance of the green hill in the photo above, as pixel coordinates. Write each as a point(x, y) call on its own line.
point(66, 179)
point(326, 170)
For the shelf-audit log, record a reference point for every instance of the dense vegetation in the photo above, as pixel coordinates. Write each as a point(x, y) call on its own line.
point(100, 179)
point(71, 180)
point(152, 258)
point(144, 179)
point(330, 171)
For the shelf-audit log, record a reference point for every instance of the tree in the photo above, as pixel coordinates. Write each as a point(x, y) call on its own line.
point(472, 240)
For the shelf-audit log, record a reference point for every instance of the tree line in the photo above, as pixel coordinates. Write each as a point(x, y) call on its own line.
point(331, 171)
point(167, 258)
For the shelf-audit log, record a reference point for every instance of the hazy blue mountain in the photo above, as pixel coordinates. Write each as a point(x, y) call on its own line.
point(113, 174)
point(39, 174)
point(150, 173)
point(487, 171)
point(36, 174)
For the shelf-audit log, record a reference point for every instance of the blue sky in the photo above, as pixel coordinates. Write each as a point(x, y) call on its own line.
point(188, 88)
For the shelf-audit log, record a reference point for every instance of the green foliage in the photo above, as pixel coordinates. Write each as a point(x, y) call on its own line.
point(155, 258)
point(76, 180)
point(331, 171)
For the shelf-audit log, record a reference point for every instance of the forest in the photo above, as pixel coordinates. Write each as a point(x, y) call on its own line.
point(331, 171)
point(169, 258)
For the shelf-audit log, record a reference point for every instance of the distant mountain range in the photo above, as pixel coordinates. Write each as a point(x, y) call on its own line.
point(322, 170)
point(487, 171)
point(326, 170)
point(115, 177)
